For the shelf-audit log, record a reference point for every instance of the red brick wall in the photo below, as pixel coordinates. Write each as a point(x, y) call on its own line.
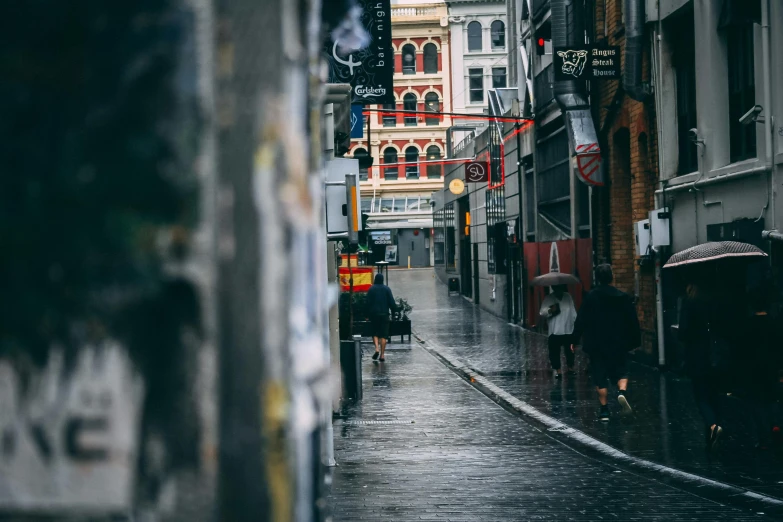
point(630, 150)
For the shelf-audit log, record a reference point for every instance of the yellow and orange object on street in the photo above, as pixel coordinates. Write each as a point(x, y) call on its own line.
point(362, 275)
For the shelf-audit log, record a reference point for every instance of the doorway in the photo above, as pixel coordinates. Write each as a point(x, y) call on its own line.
point(412, 243)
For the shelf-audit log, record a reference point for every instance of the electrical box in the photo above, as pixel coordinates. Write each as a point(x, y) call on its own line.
point(659, 227)
point(642, 229)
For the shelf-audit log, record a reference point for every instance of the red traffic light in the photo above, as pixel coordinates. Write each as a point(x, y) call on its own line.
point(541, 42)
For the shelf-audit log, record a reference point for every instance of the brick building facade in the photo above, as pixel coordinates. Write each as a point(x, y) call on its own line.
point(629, 141)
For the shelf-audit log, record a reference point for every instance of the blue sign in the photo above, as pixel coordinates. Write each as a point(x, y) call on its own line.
point(357, 121)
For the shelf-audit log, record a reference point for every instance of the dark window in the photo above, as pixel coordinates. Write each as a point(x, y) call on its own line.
point(440, 238)
point(390, 156)
point(499, 78)
point(476, 84)
point(474, 36)
point(411, 162)
point(449, 223)
point(685, 72)
point(358, 154)
point(433, 154)
point(408, 59)
point(498, 30)
point(742, 90)
point(430, 58)
point(399, 204)
point(432, 104)
point(409, 104)
point(366, 205)
point(495, 202)
point(389, 120)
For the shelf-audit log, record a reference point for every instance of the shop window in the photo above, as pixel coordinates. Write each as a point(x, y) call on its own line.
point(432, 104)
point(476, 85)
point(409, 104)
point(498, 30)
point(474, 36)
point(390, 156)
point(408, 59)
point(433, 154)
point(430, 58)
point(411, 163)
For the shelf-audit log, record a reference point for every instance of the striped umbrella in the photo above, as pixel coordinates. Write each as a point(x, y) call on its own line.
point(714, 251)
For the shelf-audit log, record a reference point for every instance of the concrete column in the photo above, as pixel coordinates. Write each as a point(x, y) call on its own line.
point(712, 85)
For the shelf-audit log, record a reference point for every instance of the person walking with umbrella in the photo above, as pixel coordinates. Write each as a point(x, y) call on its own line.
point(609, 327)
point(710, 325)
point(560, 313)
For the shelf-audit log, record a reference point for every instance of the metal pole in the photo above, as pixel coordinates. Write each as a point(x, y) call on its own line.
point(659, 309)
point(768, 118)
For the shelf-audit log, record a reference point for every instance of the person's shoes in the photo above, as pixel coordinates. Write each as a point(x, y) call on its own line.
point(715, 436)
point(376, 355)
point(558, 375)
point(603, 414)
point(382, 359)
point(622, 398)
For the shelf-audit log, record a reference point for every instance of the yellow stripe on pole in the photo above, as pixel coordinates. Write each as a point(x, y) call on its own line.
point(355, 209)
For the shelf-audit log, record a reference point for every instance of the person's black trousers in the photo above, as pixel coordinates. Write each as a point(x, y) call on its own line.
point(556, 342)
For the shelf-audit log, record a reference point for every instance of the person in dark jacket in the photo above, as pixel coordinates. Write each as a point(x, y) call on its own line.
point(609, 329)
point(705, 330)
point(380, 302)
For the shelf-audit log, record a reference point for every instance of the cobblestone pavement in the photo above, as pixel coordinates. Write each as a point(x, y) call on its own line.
point(423, 444)
point(665, 427)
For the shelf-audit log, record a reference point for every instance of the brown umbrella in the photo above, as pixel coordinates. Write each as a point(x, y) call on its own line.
point(554, 279)
point(715, 251)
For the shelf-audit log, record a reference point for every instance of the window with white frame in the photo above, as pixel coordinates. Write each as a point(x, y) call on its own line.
point(474, 36)
point(476, 85)
point(498, 31)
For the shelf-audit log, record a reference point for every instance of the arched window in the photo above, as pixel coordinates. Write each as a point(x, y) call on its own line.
point(361, 155)
point(408, 59)
point(390, 156)
point(498, 30)
point(409, 104)
point(432, 104)
point(430, 58)
point(433, 153)
point(474, 36)
point(390, 120)
point(412, 162)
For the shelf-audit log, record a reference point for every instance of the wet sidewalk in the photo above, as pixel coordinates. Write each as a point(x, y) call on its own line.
point(665, 427)
point(423, 444)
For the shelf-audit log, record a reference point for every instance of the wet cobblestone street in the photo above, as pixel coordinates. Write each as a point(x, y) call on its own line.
point(423, 444)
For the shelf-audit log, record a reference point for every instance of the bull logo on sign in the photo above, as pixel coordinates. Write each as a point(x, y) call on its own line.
point(573, 62)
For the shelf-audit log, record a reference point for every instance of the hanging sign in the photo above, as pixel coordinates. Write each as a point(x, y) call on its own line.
point(587, 63)
point(370, 71)
point(477, 172)
point(357, 122)
point(456, 187)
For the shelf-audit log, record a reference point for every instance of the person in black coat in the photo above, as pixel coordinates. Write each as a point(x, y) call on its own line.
point(379, 303)
point(609, 327)
point(709, 329)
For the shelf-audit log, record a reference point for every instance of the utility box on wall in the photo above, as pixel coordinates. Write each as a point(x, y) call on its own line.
point(659, 227)
point(642, 234)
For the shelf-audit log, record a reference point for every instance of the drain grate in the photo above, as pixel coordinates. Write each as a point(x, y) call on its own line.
point(373, 422)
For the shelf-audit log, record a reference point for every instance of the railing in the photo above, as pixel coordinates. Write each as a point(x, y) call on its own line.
point(542, 87)
point(414, 11)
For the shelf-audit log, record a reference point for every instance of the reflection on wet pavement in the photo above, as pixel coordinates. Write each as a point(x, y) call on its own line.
point(665, 427)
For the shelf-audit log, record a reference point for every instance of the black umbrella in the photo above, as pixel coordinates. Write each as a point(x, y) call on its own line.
point(554, 279)
point(715, 251)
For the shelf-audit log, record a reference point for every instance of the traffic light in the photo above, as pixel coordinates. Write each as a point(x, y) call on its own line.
point(541, 45)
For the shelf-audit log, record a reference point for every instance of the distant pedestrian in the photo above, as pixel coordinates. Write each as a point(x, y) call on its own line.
point(560, 313)
point(380, 302)
point(705, 330)
point(609, 328)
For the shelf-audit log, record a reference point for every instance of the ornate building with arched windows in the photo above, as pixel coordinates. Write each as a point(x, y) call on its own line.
point(406, 148)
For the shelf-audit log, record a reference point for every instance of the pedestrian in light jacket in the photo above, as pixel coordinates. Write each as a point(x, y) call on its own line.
point(609, 329)
point(560, 313)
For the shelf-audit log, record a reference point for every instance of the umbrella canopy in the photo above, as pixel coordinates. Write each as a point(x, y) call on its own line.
point(715, 251)
point(554, 279)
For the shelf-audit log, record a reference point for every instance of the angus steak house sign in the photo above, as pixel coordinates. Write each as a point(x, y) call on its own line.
point(370, 71)
point(587, 63)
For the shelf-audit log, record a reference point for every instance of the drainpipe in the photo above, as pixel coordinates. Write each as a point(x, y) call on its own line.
point(768, 118)
point(634, 44)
